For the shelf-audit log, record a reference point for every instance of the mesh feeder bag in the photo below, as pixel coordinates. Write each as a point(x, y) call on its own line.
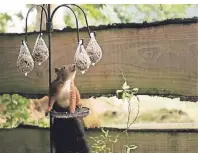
point(25, 62)
point(81, 58)
point(93, 50)
point(40, 52)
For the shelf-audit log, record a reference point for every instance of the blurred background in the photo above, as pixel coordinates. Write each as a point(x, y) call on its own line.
point(12, 17)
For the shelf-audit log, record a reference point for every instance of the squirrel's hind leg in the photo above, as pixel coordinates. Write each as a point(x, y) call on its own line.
point(78, 98)
point(72, 99)
point(51, 104)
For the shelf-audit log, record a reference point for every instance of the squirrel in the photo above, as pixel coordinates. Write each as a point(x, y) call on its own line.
point(63, 90)
point(68, 135)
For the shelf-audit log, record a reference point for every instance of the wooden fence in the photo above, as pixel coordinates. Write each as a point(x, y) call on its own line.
point(156, 59)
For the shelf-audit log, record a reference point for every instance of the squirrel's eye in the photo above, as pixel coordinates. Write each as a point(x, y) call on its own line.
point(63, 67)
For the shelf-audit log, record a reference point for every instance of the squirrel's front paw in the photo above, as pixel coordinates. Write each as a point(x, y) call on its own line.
point(79, 106)
point(72, 111)
point(46, 113)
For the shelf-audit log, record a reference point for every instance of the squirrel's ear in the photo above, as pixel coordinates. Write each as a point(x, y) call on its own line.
point(74, 66)
point(57, 70)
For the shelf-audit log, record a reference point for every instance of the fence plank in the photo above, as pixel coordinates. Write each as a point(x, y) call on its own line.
point(157, 59)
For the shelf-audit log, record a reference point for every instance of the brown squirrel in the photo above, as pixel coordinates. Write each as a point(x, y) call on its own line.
point(63, 90)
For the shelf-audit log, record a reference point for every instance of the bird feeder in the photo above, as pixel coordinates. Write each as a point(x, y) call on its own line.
point(41, 52)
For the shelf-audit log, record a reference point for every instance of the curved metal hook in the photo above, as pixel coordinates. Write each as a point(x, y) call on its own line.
point(41, 21)
point(65, 5)
point(28, 15)
point(89, 31)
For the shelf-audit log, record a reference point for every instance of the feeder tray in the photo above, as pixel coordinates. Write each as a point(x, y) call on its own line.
point(40, 52)
point(81, 59)
point(79, 113)
point(93, 50)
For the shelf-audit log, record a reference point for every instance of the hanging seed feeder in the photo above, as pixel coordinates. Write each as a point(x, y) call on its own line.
point(25, 62)
point(40, 52)
point(81, 58)
point(93, 50)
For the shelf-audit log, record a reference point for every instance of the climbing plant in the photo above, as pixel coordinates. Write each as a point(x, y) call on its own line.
point(105, 142)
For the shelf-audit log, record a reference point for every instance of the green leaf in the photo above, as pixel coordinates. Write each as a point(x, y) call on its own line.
point(15, 102)
point(106, 134)
point(103, 130)
point(132, 147)
point(125, 86)
point(118, 91)
point(135, 90)
point(16, 109)
point(130, 97)
point(114, 141)
point(123, 96)
point(129, 148)
point(20, 15)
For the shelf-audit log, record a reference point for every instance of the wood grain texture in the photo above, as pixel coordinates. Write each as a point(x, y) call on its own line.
point(160, 59)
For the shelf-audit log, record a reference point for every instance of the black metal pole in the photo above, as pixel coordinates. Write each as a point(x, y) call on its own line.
point(48, 25)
